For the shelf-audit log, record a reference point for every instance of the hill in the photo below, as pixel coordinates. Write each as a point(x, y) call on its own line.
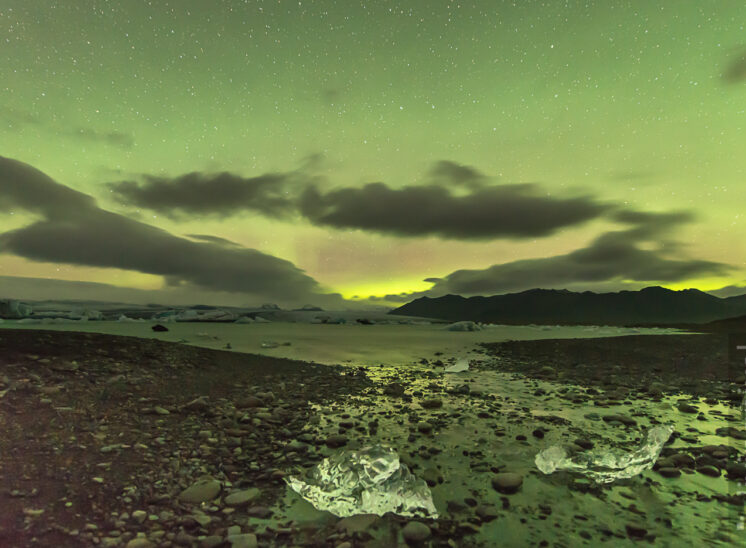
point(652, 305)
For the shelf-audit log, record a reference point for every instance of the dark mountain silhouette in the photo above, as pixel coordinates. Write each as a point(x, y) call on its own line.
point(652, 305)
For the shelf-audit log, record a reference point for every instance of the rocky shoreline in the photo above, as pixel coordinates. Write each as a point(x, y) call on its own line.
point(117, 441)
point(125, 442)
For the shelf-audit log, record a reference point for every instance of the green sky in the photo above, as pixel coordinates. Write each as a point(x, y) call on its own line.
point(637, 105)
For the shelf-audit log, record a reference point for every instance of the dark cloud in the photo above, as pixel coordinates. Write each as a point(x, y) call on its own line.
point(208, 194)
point(504, 211)
point(75, 230)
point(735, 71)
point(615, 256)
point(457, 174)
point(499, 211)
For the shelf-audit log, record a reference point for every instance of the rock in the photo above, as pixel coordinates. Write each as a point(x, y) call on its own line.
point(736, 470)
point(507, 482)
point(158, 327)
point(211, 542)
point(625, 420)
point(584, 443)
point(432, 403)
point(202, 490)
point(249, 401)
point(635, 531)
point(259, 512)
point(140, 542)
point(731, 432)
point(336, 440)
point(424, 427)
point(197, 404)
point(415, 531)
point(139, 516)
point(486, 512)
point(357, 523)
point(183, 538)
point(667, 472)
point(685, 407)
point(245, 540)
point(242, 498)
point(709, 470)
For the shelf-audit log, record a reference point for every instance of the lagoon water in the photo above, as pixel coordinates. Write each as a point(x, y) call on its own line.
point(389, 344)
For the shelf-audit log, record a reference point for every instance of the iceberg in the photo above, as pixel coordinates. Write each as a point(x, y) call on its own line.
point(371, 480)
point(463, 326)
point(12, 309)
point(607, 466)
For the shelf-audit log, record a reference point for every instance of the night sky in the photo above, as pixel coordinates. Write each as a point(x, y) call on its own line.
point(308, 151)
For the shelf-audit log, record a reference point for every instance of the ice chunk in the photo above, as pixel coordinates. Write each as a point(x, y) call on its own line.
point(607, 466)
point(244, 319)
point(371, 480)
point(463, 326)
point(12, 309)
point(458, 367)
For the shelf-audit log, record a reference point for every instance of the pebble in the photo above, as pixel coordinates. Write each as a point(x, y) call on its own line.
point(685, 407)
point(245, 540)
point(709, 470)
point(415, 531)
point(336, 440)
point(140, 542)
point(424, 427)
point(432, 403)
point(667, 472)
point(202, 490)
point(507, 482)
point(635, 531)
point(242, 498)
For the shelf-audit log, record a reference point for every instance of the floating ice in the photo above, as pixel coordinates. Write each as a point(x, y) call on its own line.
point(368, 481)
point(463, 326)
point(607, 466)
point(458, 367)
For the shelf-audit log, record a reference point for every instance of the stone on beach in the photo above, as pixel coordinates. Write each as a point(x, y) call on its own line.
point(507, 482)
point(203, 490)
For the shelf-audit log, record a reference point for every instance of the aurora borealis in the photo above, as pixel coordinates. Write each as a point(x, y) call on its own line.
point(216, 151)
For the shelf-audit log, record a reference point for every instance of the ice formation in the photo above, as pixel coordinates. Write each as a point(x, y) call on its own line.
point(371, 480)
point(463, 326)
point(607, 466)
point(458, 367)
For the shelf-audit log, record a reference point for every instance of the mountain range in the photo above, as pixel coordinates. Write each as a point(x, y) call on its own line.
point(651, 305)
